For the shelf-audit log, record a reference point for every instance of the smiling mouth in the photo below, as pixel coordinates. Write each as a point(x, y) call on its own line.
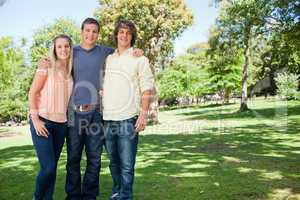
point(64, 54)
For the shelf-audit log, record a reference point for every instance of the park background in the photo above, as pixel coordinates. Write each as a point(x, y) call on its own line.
point(225, 123)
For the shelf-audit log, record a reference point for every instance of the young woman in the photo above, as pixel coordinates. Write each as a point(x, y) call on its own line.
point(48, 101)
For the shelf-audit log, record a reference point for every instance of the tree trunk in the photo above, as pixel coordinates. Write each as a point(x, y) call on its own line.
point(153, 110)
point(273, 86)
point(244, 106)
point(154, 105)
point(227, 95)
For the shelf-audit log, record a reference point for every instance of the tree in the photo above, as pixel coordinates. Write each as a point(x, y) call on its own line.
point(223, 68)
point(43, 37)
point(171, 84)
point(16, 77)
point(11, 61)
point(279, 50)
point(276, 41)
point(202, 46)
point(5, 69)
point(196, 76)
point(287, 84)
point(284, 38)
point(239, 22)
point(185, 77)
point(12, 69)
point(159, 23)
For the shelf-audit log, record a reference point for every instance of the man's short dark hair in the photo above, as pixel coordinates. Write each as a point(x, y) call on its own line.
point(128, 25)
point(90, 20)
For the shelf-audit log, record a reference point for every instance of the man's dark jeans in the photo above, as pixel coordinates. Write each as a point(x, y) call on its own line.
point(48, 152)
point(121, 144)
point(85, 130)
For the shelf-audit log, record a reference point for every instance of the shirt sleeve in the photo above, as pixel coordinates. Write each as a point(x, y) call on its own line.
point(145, 75)
point(109, 50)
point(102, 73)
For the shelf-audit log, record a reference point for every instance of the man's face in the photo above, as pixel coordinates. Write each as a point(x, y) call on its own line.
point(90, 34)
point(124, 38)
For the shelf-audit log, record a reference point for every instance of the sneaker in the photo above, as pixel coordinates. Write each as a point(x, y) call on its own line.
point(115, 196)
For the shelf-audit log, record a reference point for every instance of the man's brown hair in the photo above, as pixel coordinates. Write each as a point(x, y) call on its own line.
point(128, 25)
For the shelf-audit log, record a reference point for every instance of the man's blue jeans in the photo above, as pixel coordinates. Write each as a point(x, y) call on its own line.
point(48, 152)
point(121, 145)
point(85, 130)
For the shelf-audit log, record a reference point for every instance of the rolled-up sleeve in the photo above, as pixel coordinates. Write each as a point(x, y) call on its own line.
point(145, 75)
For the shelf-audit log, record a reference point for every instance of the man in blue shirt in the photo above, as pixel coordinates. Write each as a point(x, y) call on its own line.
point(85, 119)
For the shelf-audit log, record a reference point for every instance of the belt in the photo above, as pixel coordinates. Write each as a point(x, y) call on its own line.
point(85, 108)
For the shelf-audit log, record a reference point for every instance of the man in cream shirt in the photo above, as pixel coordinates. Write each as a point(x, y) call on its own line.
point(127, 88)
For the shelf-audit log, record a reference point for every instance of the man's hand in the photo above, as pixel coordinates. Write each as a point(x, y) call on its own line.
point(44, 62)
point(101, 93)
point(138, 52)
point(141, 122)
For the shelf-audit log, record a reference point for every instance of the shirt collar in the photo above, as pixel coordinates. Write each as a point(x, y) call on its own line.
point(128, 51)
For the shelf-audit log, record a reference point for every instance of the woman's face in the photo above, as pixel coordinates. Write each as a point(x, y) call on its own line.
point(62, 48)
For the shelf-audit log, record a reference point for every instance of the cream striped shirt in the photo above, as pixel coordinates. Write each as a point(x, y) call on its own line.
point(126, 78)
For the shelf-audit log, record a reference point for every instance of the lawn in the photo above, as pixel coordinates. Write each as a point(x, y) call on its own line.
point(205, 152)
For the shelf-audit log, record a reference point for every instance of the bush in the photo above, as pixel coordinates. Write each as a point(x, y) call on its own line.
point(15, 79)
point(14, 103)
point(287, 84)
point(13, 110)
point(170, 84)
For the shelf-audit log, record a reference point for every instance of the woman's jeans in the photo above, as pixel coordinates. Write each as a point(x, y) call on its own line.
point(48, 152)
point(121, 145)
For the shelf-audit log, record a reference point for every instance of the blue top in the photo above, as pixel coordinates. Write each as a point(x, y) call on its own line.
point(88, 68)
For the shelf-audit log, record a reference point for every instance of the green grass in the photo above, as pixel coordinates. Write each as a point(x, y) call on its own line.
point(207, 152)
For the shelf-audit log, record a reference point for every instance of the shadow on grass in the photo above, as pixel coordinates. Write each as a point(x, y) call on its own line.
point(194, 106)
point(4, 132)
point(249, 162)
point(224, 113)
point(19, 167)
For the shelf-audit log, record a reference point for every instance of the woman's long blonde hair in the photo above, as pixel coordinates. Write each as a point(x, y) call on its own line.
point(53, 56)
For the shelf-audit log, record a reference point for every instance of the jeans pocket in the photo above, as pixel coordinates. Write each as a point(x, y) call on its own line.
point(127, 128)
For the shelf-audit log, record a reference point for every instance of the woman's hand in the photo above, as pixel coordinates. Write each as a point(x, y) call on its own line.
point(40, 128)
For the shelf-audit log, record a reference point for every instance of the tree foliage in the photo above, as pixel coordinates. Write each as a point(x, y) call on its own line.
point(12, 74)
point(287, 84)
point(184, 77)
point(224, 67)
point(43, 36)
point(159, 23)
point(15, 77)
point(239, 23)
point(267, 32)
